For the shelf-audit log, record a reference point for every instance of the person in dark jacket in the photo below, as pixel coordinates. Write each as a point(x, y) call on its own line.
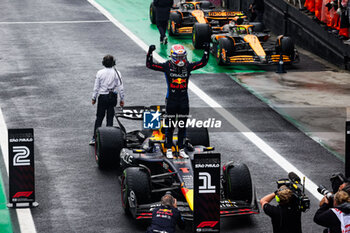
point(162, 17)
point(336, 219)
point(286, 216)
point(166, 217)
point(257, 9)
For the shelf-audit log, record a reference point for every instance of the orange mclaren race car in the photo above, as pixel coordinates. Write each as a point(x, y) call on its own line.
point(245, 43)
point(185, 14)
point(147, 174)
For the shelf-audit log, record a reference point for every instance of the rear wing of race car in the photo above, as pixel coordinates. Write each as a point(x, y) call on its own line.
point(135, 113)
point(225, 14)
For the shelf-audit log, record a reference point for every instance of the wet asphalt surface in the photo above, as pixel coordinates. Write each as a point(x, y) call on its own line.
point(46, 79)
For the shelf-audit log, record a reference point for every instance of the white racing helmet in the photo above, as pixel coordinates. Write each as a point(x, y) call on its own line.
point(178, 55)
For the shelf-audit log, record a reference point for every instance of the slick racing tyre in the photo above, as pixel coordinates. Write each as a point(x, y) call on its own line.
point(135, 189)
point(201, 34)
point(285, 45)
point(198, 136)
point(174, 23)
point(237, 182)
point(109, 142)
point(224, 50)
point(206, 5)
point(152, 13)
point(258, 26)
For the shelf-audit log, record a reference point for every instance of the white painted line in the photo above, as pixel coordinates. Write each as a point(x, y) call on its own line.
point(56, 22)
point(24, 216)
point(3, 141)
point(251, 136)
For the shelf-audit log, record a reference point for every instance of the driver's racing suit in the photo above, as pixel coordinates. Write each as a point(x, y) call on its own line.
point(177, 96)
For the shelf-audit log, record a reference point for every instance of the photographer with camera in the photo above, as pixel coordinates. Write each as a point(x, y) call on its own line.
point(166, 216)
point(336, 219)
point(286, 216)
point(334, 211)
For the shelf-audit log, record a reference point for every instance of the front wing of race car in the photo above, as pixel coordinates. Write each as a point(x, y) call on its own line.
point(227, 209)
point(251, 59)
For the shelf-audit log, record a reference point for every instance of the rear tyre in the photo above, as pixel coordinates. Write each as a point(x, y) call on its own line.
point(237, 182)
point(224, 50)
point(152, 13)
point(109, 142)
point(174, 23)
point(258, 26)
point(200, 35)
point(198, 136)
point(135, 189)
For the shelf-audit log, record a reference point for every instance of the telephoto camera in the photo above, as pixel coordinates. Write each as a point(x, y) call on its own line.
point(294, 183)
point(336, 179)
point(325, 192)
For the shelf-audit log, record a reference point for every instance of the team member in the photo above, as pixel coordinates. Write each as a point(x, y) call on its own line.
point(177, 73)
point(162, 17)
point(336, 219)
point(106, 83)
point(165, 217)
point(257, 8)
point(286, 216)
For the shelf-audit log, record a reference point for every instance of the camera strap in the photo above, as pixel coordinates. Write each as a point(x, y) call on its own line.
point(120, 79)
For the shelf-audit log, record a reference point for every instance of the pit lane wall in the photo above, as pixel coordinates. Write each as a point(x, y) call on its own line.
point(283, 18)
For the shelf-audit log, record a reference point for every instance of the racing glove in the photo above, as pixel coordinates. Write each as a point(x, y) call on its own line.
point(151, 48)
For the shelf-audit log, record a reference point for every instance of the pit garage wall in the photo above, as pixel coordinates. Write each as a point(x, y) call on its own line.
point(305, 32)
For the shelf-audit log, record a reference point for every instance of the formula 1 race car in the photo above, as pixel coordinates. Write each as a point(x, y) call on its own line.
point(185, 14)
point(185, 6)
point(147, 174)
point(244, 44)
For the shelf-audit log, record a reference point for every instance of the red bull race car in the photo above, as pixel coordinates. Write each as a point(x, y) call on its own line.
point(147, 174)
point(244, 43)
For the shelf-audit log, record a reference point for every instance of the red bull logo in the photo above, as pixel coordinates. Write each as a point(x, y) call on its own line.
point(178, 83)
point(179, 80)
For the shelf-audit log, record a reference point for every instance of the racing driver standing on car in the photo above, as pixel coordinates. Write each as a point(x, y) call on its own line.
point(177, 73)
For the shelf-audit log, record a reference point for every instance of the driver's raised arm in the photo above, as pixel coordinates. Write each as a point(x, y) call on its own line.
point(203, 62)
point(149, 60)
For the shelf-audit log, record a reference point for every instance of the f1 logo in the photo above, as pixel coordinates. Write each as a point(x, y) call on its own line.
point(206, 187)
point(22, 194)
point(208, 224)
point(21, 155)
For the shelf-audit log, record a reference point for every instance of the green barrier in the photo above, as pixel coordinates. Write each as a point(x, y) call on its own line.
point(5, 219)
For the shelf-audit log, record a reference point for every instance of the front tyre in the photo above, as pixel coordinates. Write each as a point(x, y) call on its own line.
point(224, 50)
point(285, 46)
point(174, 23)
point(109, 142)
point(237, 182)
point(135, 189)
point(152, 13)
